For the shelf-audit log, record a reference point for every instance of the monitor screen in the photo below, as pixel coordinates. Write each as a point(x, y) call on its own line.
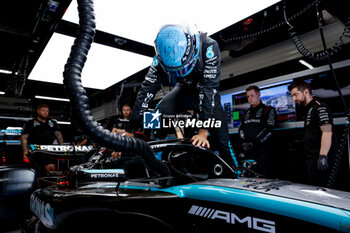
point(279, 97)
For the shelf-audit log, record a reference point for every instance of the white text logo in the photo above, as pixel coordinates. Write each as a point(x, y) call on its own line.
point(251, 222)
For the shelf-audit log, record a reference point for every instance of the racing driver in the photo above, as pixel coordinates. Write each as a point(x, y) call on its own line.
point(192, 60)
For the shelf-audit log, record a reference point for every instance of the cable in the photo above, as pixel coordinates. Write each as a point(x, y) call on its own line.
point(319, 56)
point(339, 156)
point(327, 52)
point(24, 79)
point(80, 102)
point(250, 170)
point(330, 63)
point(272, 28)
point(341, 148)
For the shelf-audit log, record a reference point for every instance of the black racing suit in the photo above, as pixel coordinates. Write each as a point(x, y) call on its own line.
point(256, 129)
point(317, 114)
point(197, 91)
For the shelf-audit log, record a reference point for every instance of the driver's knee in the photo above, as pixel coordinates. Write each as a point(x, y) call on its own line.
point(50, 167)
point(167, 108)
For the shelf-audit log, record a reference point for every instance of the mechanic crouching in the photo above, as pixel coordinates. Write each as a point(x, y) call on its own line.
point(256, 132)
point(192, 59)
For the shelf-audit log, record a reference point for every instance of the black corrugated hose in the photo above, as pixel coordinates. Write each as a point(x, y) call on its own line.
point(80, 102)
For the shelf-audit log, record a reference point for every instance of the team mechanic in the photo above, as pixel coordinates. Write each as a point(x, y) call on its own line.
point(41, 130)
point(193, 60)
point(256, 130)
point(319, 134)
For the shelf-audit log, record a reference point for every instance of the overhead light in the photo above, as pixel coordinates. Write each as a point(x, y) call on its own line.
point(145, 30)
point(51, 98)
point(5, 71)
point(306, 64)
point(2, 93)
point(104, 67)
point(63, 122)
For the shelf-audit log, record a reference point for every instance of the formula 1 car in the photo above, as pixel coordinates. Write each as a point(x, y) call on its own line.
point(190, 190)
point(17, 182)
point(203, 194)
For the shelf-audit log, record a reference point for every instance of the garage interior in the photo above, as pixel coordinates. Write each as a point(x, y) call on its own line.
point(255, 50)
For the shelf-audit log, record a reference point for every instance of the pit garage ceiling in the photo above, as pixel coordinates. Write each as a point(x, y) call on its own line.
point(141, 23)
point(33, 36)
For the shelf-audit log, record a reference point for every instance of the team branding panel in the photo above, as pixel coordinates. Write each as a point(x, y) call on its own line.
point(61, 148)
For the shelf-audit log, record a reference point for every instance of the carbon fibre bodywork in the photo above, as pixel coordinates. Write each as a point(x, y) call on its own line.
point(207, 205)
point(246, 205)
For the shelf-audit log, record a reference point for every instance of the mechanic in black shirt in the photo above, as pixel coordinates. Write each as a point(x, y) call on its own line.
point(192, 59)
point(41, 131)
point(319, 136)
point(120, 126)
point(121, 123)
point(256, 130)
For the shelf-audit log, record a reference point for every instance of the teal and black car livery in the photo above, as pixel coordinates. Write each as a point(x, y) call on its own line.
point(209, 205)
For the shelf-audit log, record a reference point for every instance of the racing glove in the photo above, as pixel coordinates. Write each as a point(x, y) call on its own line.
point(322, 162)
point(248, 146)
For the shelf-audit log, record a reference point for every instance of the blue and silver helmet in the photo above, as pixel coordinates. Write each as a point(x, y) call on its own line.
point(177, 48)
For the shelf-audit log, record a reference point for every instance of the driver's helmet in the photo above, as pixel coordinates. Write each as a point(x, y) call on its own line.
point(177, 48)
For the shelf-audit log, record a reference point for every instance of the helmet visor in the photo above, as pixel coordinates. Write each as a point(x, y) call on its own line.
point(180, 71)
